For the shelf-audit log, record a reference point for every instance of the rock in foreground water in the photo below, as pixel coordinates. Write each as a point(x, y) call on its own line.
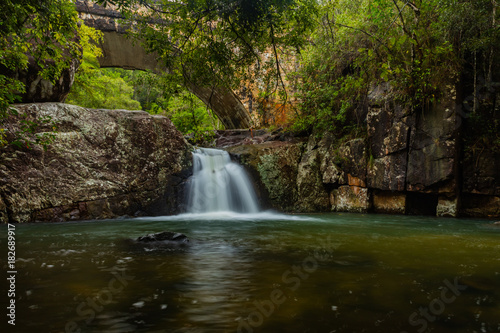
point(165, 236)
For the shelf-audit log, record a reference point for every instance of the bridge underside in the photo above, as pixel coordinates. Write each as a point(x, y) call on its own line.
point(120, 51)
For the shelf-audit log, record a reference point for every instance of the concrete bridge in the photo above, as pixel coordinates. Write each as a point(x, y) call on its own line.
point(120, 51)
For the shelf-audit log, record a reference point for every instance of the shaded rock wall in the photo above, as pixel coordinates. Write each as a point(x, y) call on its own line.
point(409, 162)
point(38, 89)
point(274, 165)
point(481, 183)
point(102, 164)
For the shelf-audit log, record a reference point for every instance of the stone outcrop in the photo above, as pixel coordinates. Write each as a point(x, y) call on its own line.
point(164, 236)
point(409, 162)
point(274, 167)
point(102, 164)
point(160, 241)
point(389, 202)
point(38, 89)
point(481, 185)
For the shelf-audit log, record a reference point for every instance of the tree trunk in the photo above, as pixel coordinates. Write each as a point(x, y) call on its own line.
point(474, 102)
point(489, 77)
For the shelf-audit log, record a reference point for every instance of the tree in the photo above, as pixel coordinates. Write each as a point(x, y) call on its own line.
point(45, 31)
point(219, 42)
point(99, 88)
point(189, 115)
point(418, 47)
point(153, 90)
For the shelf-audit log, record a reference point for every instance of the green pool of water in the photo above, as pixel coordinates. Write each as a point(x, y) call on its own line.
point(260, 273)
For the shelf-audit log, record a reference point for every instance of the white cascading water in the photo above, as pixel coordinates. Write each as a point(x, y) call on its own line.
point(219, 185)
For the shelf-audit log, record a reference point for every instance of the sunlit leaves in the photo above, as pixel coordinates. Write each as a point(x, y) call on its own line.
point(102, 89)
point(43, 30)
point(215, 42)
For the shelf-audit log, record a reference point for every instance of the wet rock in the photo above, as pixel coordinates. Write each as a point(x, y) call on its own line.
point(481, 172)
point(388, 133)
point(432, 150)
point(312, 195)
point(389, 202)
point(479, 283)
point(160, 241)
point(351, 199)
point(388, 129)
point(331, 173)
point(353, 159)
point(274, 167)
point(447, 206)
point(480, 205)
point(388, 173)
point(165, 236)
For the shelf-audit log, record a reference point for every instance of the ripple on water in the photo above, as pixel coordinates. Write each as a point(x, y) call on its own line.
point(372, 273)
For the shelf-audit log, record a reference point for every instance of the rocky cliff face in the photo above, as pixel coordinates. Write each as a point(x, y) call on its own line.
point(408, 163)
point(102, 164)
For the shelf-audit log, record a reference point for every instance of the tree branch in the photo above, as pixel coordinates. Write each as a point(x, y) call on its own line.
point(400, 14)
point(366, 33)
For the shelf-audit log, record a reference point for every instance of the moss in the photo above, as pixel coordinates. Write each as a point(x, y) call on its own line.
point(270, 175)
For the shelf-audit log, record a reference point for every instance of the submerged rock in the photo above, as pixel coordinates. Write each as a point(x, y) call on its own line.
point(479, 283)
point(160, 241)
point(164, 236)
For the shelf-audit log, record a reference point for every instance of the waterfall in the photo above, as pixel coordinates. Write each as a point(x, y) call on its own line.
point(219, 185)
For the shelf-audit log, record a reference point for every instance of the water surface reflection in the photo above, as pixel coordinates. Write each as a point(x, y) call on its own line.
point(261, 273)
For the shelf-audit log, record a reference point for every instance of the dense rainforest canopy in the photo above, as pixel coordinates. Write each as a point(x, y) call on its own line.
point(319, 59)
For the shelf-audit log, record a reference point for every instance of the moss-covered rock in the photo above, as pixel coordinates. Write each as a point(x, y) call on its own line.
point(351, 199)
point(274, 167)
point(312, 194)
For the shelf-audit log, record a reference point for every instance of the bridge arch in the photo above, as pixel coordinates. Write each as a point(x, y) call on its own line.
point(120, 51)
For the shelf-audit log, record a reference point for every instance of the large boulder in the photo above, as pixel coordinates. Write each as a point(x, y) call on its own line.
point(102, 164)
point(164, 236)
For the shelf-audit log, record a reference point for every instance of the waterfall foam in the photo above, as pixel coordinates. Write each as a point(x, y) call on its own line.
point(219, 185)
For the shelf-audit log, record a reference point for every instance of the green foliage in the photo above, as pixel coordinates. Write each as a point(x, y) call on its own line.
point(102, 89)
point(116, 88)
point(43, 30)
point(191, 116)
point(418, 48)
point(219, 42)
point(164, 94)
point(99, 88)
point(154, 91)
